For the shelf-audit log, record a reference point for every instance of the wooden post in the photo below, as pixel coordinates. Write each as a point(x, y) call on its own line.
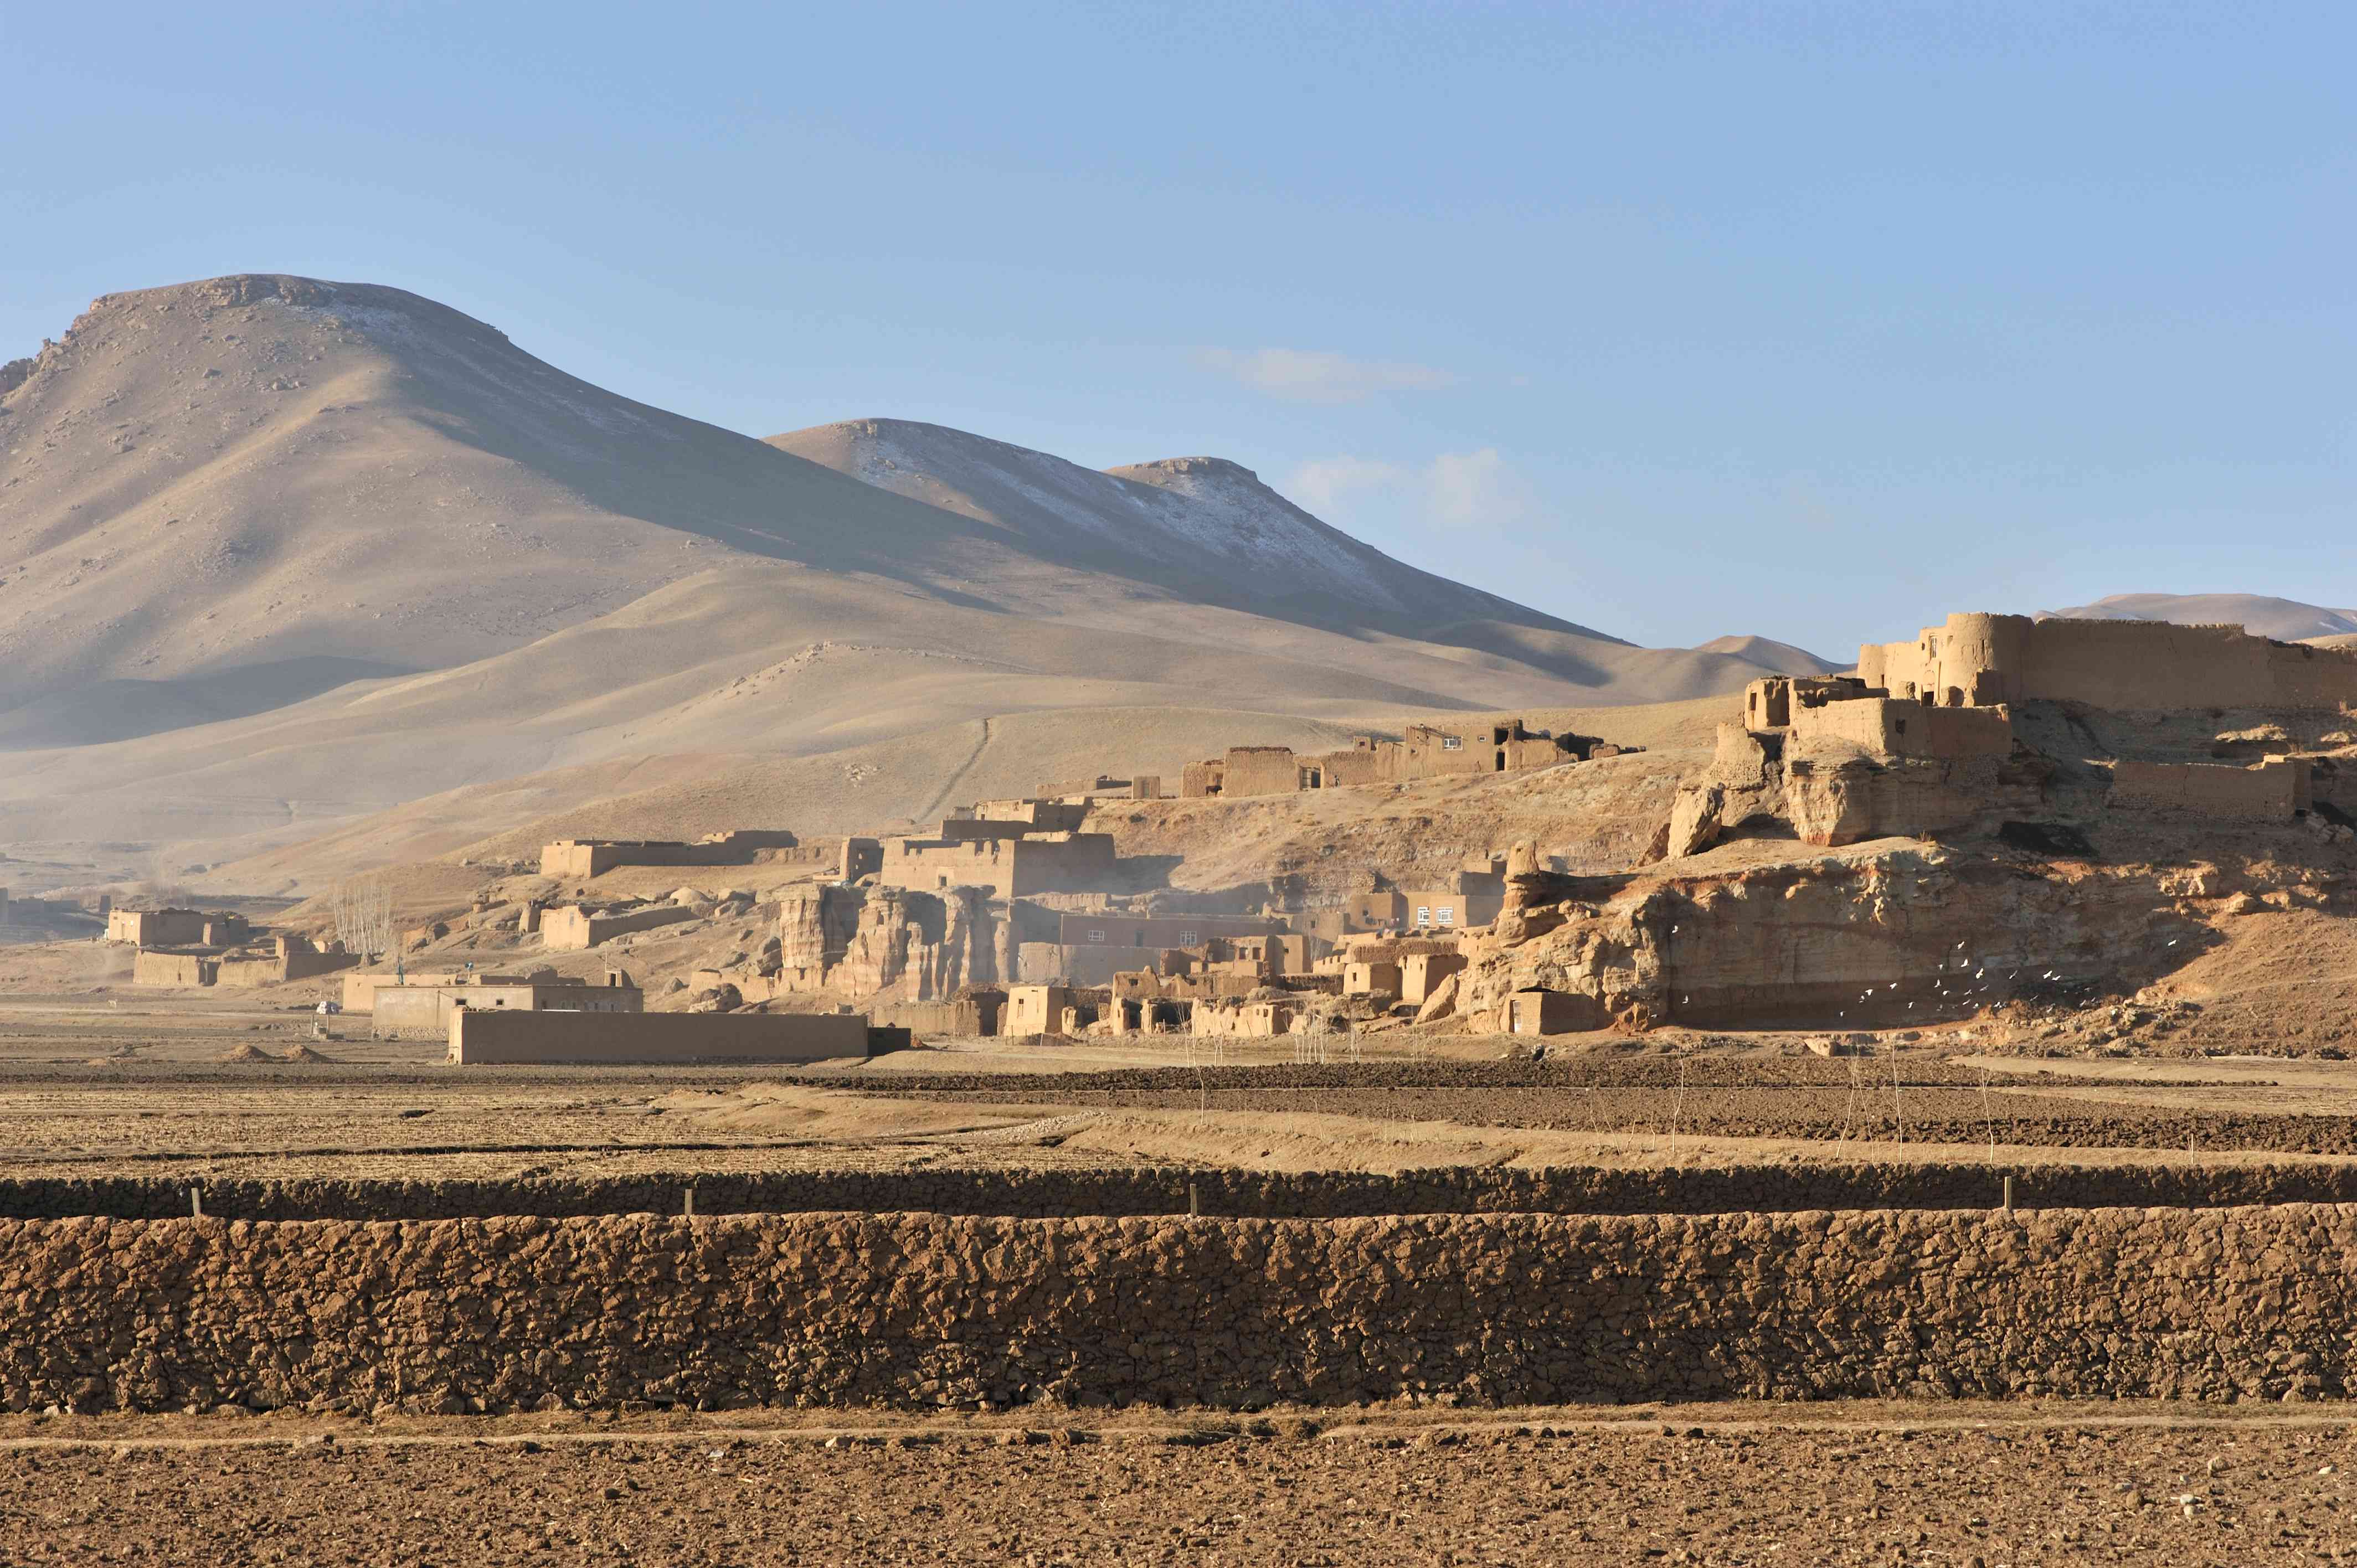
point(1194, 1199)
point(2008, 1195)
point(196, 1204)
point(689, 1208)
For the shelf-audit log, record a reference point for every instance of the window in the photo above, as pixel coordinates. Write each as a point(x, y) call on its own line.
point(1187, 939)
point(1448, 914)
point(1451, 742)
point(1424, 915)
point(1096, 938)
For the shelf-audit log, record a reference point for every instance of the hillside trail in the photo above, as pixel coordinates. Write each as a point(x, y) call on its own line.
point(950, 784)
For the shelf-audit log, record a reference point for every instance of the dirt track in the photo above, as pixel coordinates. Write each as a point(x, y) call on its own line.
point(1759, 1486)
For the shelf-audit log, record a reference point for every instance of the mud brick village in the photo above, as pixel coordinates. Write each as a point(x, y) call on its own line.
point(760, 1071)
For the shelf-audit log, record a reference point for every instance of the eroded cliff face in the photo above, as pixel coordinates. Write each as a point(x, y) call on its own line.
point(893, 943)
point(1883, 935)
point(1837, 797)
point(1831, 793)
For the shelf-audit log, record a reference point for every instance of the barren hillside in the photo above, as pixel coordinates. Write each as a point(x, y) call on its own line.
point(2287, 621)
point(1781, 658)
point(278, 554)
point(1207, 526)
point(224, 496)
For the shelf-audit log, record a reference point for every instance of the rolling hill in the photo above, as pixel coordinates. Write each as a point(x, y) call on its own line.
point(2285, 621)
point(278, 554)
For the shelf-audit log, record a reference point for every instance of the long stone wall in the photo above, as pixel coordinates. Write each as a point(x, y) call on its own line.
point(2123, 665)
point(1137, 1193)
point(931, 1310)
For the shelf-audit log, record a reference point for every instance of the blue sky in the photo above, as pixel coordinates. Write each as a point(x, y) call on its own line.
point(1815, 320)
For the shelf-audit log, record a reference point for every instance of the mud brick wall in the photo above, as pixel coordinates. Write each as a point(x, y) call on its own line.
point(931, 1310)
point(1266, 1195)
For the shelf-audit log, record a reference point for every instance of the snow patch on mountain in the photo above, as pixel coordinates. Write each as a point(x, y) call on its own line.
point(1205, 517)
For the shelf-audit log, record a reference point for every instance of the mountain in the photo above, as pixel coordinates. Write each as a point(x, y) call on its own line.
point(2285, 621)
point(1772, 657)
point(278, 554)
point(269, 484)
point(1203, 527)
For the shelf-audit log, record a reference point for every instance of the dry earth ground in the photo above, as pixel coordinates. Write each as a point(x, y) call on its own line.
point(189, 1087)
point(1950, 1484)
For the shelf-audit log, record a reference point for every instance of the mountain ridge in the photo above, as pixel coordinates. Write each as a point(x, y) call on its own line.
point(1208, 524)
point(2262, 615)
point(280, 552)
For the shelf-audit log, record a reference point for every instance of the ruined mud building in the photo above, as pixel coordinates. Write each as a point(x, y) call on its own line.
point(1996, 730)
point(581, 858)
point(176, 928)
point(253, 960)
point(422, 1003)
point(1423, 751)
point(1922, 740)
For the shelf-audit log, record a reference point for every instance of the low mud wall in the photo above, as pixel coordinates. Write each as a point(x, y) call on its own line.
point(932, 1310)
point(1266, 1195)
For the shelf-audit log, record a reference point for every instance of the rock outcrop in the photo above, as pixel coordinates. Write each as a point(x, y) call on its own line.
point(1879, 935)
point(891, 942)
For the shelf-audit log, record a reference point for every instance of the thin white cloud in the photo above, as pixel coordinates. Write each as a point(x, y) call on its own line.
point(1328, 486)
point(1457, 490)
point(1304, 375)
point(1475, 489)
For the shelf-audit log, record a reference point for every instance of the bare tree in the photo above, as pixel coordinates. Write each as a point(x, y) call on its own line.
point(363, 907)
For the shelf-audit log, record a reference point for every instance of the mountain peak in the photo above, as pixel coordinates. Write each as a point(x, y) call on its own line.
point(1202, 527)
point(1164, 470)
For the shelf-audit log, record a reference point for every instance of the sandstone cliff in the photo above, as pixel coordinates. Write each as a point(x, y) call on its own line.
point(1881, 935)
point(891, 943)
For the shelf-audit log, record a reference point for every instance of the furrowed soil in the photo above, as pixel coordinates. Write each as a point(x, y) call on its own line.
point(1723, 1485)
point(173, 1087)
point(144, 1090)
point(1872, 1113)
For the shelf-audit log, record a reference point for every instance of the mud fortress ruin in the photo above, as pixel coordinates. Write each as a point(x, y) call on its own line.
point(1962, 782)
point(1913, 842)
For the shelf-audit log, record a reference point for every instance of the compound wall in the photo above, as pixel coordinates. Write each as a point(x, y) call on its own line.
point(569, 928)
point(1896, 728)
point(2126, 665)
point(510, 1037)
point(1005, 868)
point(151, 968)
point(280, 968)
point(2267, 793)
point(1261, 770)
point(918, 1310)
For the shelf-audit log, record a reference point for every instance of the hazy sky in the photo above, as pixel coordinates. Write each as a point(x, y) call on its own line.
point(1815, 320)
